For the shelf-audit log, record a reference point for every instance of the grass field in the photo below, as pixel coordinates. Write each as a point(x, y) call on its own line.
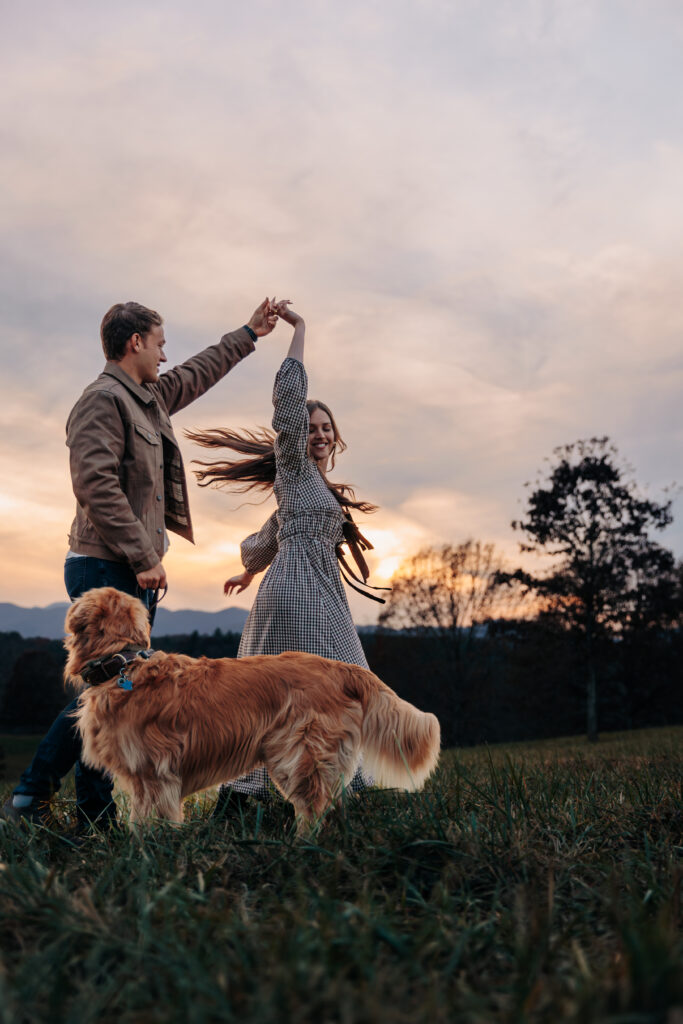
point(529, 882)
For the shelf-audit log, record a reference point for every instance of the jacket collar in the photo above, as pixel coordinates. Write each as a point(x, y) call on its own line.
point(141, 391)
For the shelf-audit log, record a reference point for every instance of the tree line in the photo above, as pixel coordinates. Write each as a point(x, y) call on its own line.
point(590, 641)
point(607, 603)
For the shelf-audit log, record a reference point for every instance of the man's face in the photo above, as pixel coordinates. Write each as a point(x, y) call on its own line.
point(150, 354)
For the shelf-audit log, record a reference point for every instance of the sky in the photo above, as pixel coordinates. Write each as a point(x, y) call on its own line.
point(476, 206)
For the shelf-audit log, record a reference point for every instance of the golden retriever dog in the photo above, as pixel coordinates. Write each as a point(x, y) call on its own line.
point(189, 723)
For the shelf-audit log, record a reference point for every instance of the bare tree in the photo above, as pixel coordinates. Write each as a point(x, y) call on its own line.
point(448, 593)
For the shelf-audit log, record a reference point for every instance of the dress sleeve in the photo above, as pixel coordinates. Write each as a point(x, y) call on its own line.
point(290, 418)
point(259, 549)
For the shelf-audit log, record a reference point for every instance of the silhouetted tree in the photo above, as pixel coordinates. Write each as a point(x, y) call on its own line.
point(443, 596)
point(592, 517)
point(653, 608)
point(448, 591)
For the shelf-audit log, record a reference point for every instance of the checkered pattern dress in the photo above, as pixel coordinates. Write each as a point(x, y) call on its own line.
point(301, 604)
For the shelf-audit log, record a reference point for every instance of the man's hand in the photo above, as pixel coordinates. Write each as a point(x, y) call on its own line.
point(263, 319)
point(240, 582)
point(152, 579)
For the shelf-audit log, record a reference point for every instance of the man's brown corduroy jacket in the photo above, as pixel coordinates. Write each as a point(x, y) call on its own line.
point(126, 468)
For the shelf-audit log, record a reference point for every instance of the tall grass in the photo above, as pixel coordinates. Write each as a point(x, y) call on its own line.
point(537, 882)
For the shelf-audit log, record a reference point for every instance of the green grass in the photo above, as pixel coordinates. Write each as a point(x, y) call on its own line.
point(528, 882)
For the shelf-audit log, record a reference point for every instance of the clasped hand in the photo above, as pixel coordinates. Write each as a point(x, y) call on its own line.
point(281, 310)
point(265, 317)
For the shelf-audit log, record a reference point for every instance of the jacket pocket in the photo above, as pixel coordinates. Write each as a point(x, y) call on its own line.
point(148, 435)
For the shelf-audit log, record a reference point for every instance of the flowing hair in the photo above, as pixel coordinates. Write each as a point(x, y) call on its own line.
point(257, 470)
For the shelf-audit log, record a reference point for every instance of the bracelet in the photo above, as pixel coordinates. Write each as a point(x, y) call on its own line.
point(252, 334)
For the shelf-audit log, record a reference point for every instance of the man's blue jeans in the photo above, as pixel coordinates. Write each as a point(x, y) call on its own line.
point(60, 749)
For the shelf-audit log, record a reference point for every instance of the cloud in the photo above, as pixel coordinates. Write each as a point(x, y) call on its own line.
point(477, 209)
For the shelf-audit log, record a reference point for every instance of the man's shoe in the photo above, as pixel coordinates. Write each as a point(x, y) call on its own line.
point(38, 812)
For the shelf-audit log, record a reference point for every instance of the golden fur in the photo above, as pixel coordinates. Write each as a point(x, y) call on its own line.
point(190, 723)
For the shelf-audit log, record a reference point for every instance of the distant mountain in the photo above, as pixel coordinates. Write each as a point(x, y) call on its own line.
point(168, 623)
point(49, 621)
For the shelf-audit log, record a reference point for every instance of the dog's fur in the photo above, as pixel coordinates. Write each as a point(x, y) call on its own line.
point(190, 723)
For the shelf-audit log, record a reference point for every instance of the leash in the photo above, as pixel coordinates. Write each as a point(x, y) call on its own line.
point(156, 598)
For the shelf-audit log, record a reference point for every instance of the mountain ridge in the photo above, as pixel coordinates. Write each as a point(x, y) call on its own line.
point(48, 621)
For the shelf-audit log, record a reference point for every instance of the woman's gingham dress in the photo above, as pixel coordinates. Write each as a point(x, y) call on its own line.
point(300, 604)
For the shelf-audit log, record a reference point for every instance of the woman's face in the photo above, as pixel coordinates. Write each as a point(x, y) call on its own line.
point(320, 436)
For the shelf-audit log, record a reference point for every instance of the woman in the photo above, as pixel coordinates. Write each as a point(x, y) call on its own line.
point(301, 604)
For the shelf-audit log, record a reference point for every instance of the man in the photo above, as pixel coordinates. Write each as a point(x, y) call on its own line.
point(130, 489)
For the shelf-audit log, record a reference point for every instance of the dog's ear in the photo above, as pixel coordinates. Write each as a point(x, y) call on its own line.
point(123, 614)
point(105, 610)
point(101, 618)
point(78, 615)
point(139, 618)
point(89, 611)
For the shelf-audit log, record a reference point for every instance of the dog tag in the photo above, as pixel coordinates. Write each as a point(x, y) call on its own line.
point(124, 682)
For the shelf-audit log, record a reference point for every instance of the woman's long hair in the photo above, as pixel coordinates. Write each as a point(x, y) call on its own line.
point(257, 471)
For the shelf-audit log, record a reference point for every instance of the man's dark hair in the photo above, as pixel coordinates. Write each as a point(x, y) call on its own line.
point(121, 322)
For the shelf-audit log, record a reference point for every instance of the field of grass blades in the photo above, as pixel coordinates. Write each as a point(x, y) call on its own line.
point(527, 882)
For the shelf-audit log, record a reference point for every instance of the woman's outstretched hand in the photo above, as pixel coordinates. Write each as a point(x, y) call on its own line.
point(288, 315)
point(239, 583)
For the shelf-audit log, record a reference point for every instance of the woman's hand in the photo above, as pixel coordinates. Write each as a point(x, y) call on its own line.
point(288, 315)
point(240, 582)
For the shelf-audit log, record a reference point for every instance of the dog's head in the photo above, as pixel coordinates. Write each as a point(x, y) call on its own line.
point(102, 622)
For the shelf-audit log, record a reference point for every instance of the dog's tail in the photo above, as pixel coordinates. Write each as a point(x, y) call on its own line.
point(400, 744)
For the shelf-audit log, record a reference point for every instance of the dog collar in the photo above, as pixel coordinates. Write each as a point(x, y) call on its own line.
point(99, 670)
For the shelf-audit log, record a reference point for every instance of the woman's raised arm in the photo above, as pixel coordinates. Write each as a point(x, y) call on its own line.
point(296, 348)
point(290, 416)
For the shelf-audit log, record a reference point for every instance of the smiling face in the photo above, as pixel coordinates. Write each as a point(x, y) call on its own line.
point(321, 436)
point(149, 354)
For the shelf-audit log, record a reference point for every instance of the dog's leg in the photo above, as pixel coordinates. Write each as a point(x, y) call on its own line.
point(153, 797)
point(306, 797)
point(306, 823)
point(140, 798)
point(311, 769)
point(167, 802)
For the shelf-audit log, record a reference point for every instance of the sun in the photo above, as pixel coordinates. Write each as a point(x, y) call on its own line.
point(386, 568)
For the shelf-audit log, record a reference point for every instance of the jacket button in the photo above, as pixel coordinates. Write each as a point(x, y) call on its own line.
point(158, 529)
point(158, 497)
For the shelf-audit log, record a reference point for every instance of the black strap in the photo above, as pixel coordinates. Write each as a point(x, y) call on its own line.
point(99, 670)
point(141, 594)
point(344, 565)
point(357, 544)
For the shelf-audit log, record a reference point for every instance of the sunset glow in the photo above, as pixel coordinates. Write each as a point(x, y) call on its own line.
point(475, 207)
